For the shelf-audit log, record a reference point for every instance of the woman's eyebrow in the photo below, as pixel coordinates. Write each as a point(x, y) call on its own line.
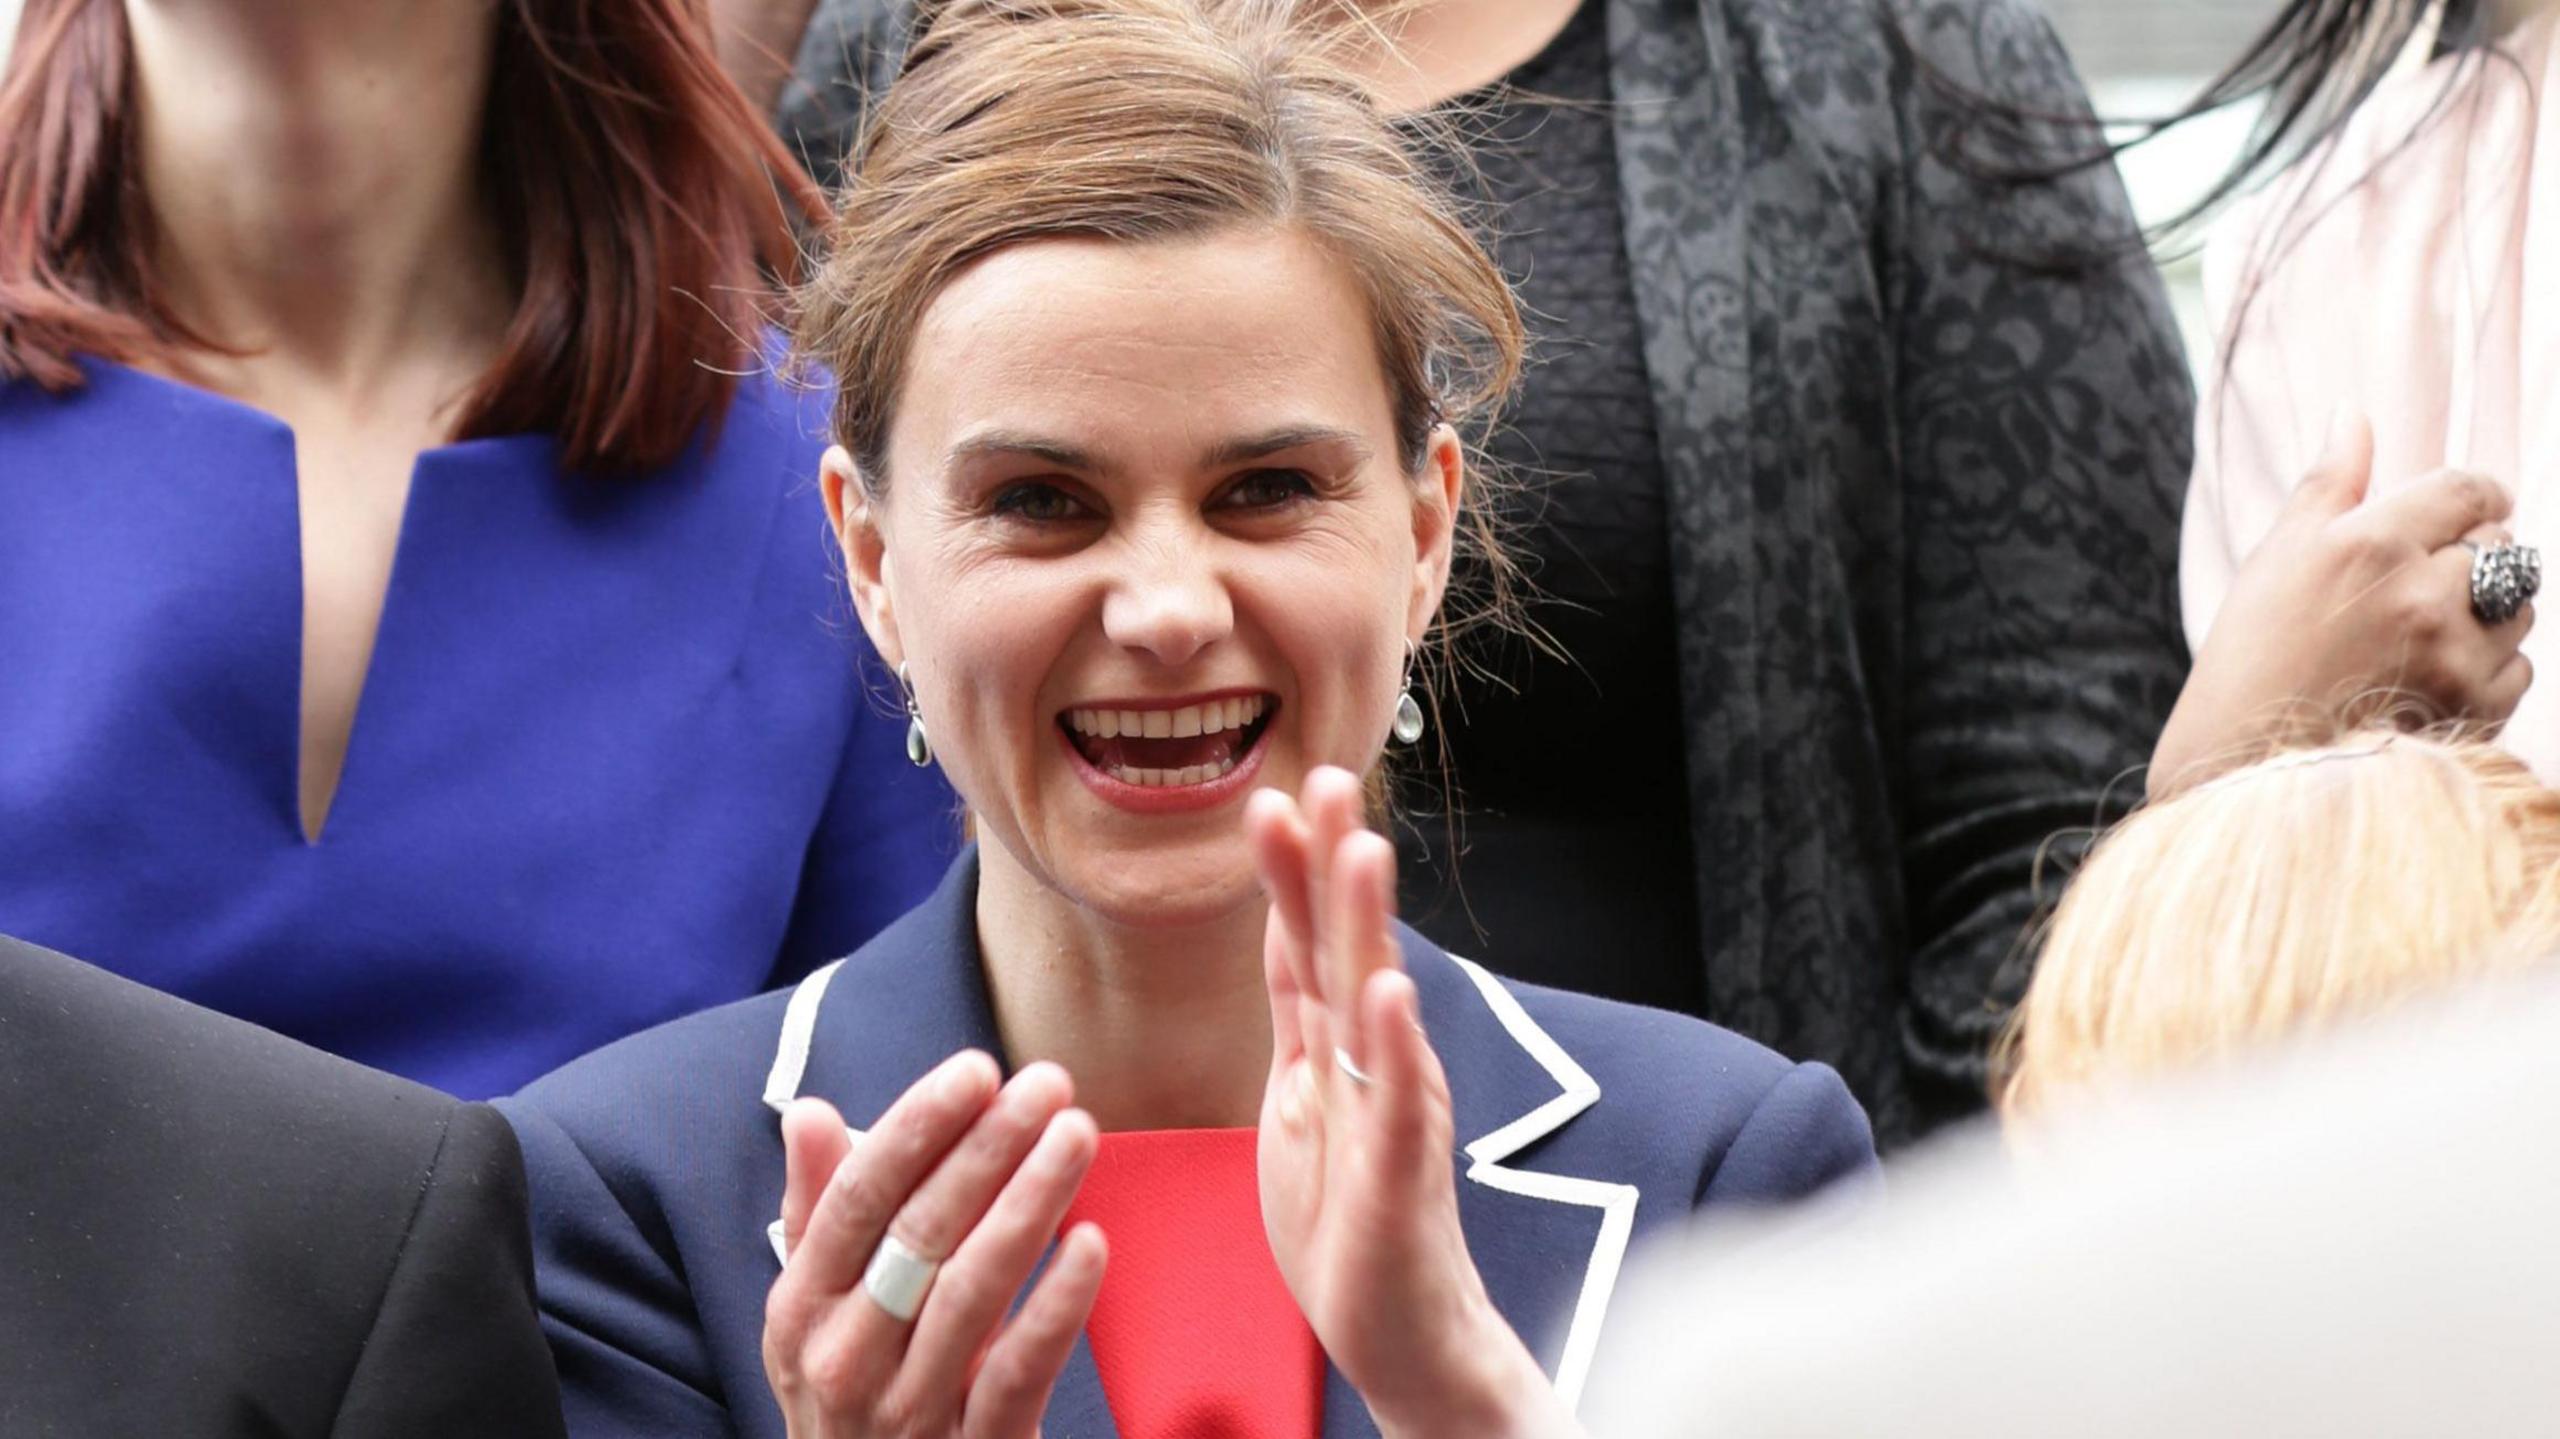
point(989, 444)
point(1272, 442)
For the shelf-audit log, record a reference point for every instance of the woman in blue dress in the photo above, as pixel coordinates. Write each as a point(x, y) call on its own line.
point(412, 355)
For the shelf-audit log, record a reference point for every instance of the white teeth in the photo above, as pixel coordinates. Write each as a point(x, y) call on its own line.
point(1166, 778)
point(1209, 718)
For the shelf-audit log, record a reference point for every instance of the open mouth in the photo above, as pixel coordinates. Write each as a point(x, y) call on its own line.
point(1164, 748)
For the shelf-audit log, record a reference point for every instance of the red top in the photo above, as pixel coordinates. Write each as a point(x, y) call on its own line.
point(1194, 1336)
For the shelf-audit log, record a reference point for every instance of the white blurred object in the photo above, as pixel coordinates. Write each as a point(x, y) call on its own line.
point(8, 27)
point(2356, 1239)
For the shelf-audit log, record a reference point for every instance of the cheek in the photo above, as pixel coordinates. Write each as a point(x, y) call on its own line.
point(1334, 609)
point(985, 639)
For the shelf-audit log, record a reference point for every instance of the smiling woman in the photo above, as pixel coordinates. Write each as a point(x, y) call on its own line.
point(1151, 339)
point(1221, 496)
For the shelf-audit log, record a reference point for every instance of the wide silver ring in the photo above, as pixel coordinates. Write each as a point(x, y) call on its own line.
point(2504, 579)
point(897, 1278)
point(1351, 1071)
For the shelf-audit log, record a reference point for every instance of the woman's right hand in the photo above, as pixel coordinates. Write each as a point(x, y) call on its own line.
point(957, 1170)
point(2347, 607)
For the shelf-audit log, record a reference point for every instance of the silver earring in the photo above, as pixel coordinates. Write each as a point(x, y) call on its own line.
point(1408, 727)
point(919, 749)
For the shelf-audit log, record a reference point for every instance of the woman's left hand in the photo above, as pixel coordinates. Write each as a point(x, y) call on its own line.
point(1359, 1189)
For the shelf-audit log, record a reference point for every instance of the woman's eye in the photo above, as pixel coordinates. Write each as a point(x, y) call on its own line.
point(1037, 504)
point(1269, 489)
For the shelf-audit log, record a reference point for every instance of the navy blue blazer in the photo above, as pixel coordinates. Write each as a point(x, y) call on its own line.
point(656, 1163)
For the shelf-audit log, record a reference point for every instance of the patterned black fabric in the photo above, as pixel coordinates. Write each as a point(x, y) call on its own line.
point(1923, 502)
point(1576, 870)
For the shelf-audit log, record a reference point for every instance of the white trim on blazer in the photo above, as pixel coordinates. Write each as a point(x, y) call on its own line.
point(1616, 1202)
point(791, 1061)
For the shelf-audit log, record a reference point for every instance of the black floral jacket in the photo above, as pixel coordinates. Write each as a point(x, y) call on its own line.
point(1924, 500)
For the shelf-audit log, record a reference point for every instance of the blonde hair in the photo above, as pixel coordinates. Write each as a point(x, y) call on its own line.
point(2322, 884)
point(1146, 120)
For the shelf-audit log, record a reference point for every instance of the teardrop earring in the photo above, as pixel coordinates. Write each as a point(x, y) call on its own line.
point(1408, 726)
point(919, 749)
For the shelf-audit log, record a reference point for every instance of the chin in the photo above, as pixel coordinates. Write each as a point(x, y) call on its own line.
point(1161, 887)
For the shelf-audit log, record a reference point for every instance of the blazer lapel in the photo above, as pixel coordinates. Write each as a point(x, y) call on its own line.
point(1686, 211)
point(1077, 1409)
point(910, 999)
point(1548, 1245)
point(1535, 1255)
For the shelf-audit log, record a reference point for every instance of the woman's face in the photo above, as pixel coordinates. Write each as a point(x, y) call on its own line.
point(1145, 546)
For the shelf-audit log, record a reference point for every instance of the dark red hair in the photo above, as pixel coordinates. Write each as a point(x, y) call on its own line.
point(644, 204)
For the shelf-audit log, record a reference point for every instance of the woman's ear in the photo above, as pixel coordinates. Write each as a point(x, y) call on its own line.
point(1437, 493)
point(854, 515)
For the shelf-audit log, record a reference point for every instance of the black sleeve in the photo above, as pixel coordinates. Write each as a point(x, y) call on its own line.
point(456, 1348)
point(2045, 428)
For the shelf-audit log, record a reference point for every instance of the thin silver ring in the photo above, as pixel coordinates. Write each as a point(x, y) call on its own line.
point(2504, 579)
point(897, 1278)
point(1342, 1061)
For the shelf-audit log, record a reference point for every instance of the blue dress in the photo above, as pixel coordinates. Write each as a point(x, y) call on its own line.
point(615, 759)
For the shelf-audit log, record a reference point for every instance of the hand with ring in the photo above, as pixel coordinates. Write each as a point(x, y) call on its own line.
point(906, 1246)
point(1358, 1177)
point(2412, 604)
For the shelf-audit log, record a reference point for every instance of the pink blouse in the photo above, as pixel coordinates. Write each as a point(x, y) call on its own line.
point(2416, 280)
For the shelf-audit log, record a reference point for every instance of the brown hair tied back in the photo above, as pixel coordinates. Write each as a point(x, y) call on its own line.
point(1148, 120)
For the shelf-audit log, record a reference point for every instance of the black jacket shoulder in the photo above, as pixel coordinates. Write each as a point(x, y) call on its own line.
point(216, 1230)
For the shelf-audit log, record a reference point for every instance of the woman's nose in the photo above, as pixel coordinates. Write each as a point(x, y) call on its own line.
point(1170, 601)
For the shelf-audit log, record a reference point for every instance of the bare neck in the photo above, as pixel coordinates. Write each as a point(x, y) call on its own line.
point(312, 170)
point(1442, 49)
point(1161, 1028)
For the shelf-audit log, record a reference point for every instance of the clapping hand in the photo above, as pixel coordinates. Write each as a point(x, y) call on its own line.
point(944, 1208)
point(1358, 1176)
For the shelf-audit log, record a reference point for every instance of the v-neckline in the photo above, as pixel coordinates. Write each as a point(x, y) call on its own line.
point(402, 559)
